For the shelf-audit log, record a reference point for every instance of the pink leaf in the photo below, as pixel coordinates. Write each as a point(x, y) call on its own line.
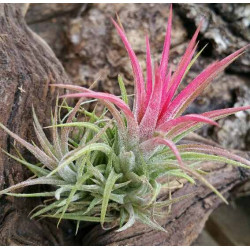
point(166, 47)
point(215, 115)
point(165, 88)
point(166, 126)
point(132, 124)
point(139, 82)
point(188, 94)
point(149, 145)
point(110, 107)
point(71, 87)
point(105, 96)
point(149, 73)
point(175, 81)
point(149, 120)
point(186, 57)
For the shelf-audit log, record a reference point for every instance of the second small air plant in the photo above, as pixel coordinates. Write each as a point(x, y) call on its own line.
point(112, 170)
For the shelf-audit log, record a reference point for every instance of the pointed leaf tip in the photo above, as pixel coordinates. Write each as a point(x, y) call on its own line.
point(137, 73)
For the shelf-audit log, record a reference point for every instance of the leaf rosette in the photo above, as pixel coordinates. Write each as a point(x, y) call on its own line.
point(112, 170)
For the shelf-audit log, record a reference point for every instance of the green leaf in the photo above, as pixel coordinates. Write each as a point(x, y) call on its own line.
point(178, 173)
point(118, 198)
point(173, 200)
point(112, 178)
point(45, 209)
point(146, 220)
point(193, 61)
point(88, 125)
point(70, 216)
point(123, 89)
point(77, 227)
point(46, 145)
point(98, 175)
point(131, 219)
point(156, 190)
point(39, 154)
point(38, 171)
point(40, 180)
point(74, 154)
point(88, 188)
point(121, 185)
point(61, 190)
point(123, 216)
point(193, 156)
point(72, 193)
point(202, 179)
point(44, 194)
point(94, 202)
point(55, 136)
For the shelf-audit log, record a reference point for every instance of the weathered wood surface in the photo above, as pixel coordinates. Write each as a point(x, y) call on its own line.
point(27, 67)
point(79, 35)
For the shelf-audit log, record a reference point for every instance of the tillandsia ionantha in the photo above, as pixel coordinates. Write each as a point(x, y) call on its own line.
point(112, 170)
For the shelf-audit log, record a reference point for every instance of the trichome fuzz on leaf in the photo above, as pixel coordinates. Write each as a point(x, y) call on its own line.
point(112, 170)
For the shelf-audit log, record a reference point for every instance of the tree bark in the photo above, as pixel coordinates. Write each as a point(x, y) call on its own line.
point(27, 67)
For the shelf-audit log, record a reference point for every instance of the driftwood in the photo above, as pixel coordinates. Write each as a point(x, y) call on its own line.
point(27, 67)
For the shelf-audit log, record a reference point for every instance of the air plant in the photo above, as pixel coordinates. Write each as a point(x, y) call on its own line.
point(112, 170)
